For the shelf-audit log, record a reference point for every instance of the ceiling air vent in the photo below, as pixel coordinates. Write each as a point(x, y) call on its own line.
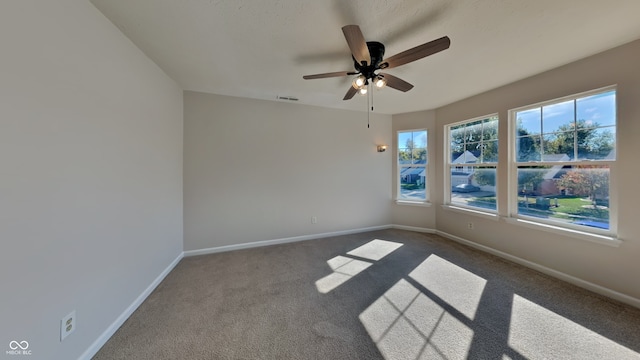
point(289, 98)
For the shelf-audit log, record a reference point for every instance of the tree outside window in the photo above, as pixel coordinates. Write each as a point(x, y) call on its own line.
point(563, 156)
point(412, 165)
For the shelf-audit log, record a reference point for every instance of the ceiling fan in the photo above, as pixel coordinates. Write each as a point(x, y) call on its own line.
point(368, 59)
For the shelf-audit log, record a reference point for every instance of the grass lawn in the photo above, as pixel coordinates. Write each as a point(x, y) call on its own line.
point(572, 208)
point(412, 186)
point(569, 207)
point(487, 202)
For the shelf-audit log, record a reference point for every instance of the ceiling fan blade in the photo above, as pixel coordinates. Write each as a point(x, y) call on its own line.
point(352, 91)
point(327, 75)
point(357, 44)
point(397, 83)
point(416, 53)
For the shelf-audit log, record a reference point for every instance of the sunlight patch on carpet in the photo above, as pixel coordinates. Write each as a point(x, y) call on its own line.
point(458, 287)
point(375, 249)
point(406, 324)
point(537, 332)
point(344, 268)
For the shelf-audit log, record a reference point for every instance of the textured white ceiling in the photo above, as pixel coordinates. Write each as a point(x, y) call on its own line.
point(262, 48)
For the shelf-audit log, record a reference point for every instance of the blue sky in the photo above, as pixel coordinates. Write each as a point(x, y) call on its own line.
point(596, 109)
point(419, 138)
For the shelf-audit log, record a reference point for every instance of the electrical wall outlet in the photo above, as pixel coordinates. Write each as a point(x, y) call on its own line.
point(470, 225)
point(67, 325)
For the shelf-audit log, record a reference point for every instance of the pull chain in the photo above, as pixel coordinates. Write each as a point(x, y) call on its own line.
point(371, 90)
point(368, 112)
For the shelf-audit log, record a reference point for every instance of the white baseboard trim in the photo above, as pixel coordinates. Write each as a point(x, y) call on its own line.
point(545, 270)
point(414, 228)
point(224, 248)
point(106, 335)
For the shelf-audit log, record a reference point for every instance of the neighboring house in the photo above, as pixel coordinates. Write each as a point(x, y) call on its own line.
point(463, 174)
point(422, 177)
point(458, 177)
point(466, 157)
point(548, 184)
point(412, 175)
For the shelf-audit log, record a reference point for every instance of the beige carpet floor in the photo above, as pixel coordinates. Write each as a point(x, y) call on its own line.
point(389, 294)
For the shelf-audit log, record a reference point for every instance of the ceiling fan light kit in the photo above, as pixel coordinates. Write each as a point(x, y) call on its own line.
point(368, 59)
point(359, 82)
point(380, 82)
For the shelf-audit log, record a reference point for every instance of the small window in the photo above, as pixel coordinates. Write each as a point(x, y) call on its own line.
point(564, 156)
point(472, 161)
point(412, 165)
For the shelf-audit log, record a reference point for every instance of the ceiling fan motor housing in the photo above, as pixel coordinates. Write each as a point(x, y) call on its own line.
point(376, 50)
point(366, 63)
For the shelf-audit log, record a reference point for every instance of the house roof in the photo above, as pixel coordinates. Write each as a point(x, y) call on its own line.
point(412, 171)
point(611, 155)
point(466, 157)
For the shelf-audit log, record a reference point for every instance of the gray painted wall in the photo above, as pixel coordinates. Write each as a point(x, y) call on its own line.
point(259, 170)
point(90, 174)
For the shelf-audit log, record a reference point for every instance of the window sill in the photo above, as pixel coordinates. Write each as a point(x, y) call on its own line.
point(413, 203)
point(582, 235)
point(463, 210)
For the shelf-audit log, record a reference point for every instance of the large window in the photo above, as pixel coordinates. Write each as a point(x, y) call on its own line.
point(563, 158)
point(472, 161)
point(412, 165)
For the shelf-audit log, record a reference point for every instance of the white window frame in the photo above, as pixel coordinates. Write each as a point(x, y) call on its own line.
point(449, 166)
point(409, 201)
point(577, 231)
